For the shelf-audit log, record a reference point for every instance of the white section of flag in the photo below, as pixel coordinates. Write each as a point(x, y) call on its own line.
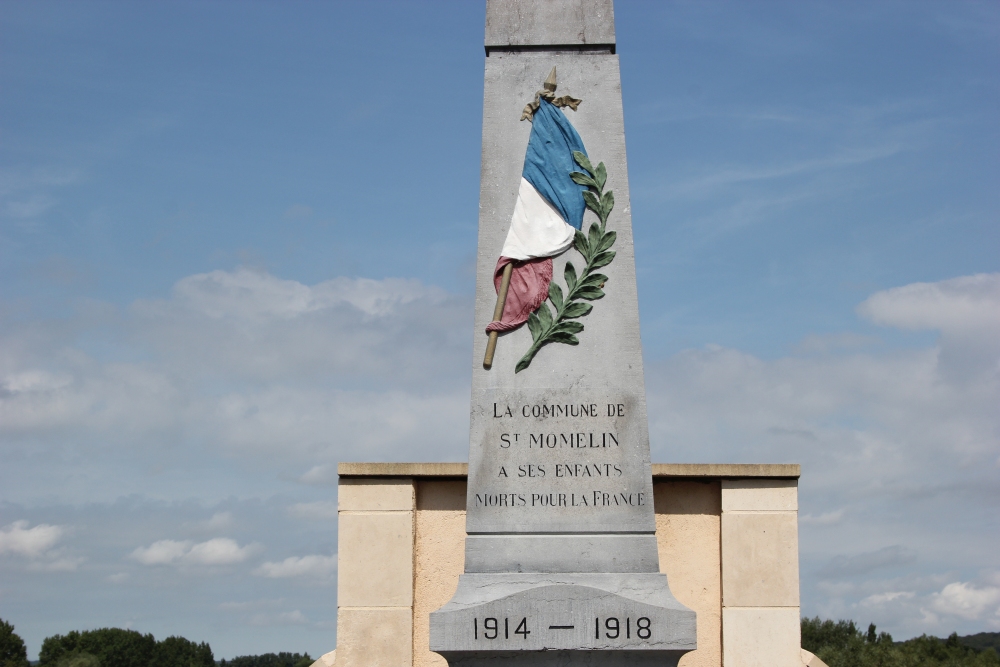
point(536, 228)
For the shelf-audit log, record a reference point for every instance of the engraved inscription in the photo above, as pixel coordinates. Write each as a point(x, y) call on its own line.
point(622, 628)
point(558, 454)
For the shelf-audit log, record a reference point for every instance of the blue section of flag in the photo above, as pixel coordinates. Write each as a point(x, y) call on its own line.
point(549, 161)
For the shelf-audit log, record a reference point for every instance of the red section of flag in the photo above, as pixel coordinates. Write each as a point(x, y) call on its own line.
point(529, 287)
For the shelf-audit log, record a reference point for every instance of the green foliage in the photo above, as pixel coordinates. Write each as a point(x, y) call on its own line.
point(548, 327)
point(842, 644)
point(982, 641)
point(78, 659)
point(181, 652)
point(114, 647)
point(269, 660)
point(12, 650)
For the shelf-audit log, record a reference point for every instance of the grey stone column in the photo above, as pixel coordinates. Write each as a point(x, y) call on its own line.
point(561, 563)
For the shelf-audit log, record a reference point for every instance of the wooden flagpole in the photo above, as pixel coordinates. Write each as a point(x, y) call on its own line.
point(491, 344)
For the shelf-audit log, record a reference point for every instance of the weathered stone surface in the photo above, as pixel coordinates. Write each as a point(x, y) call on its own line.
point(560, 459)
point(761, 637)
point(560, 519)
point(609, 355)
point(760, 559)
point(360, 495)
point(533, 23)
point(605, 368)
point(760, 495)
point(374, 637)
point(375, 561)
point(438, 558)
point(688, 517)
point(547, 553)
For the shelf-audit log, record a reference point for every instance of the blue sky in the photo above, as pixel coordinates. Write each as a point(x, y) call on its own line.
point(237, 246)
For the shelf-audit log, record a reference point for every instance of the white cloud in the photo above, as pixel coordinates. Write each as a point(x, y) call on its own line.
point(882, 598)
point(162, 552)
point(17, 538)
point(38, 545)
point(255, 363)
point(891, 441)
point(967, 303)
point(216, 551)
point(313, 566)
point(254, 295)
point(34, 381)
point(966, 310)
point(965, 600)
point(219, 551)
point(837, 414)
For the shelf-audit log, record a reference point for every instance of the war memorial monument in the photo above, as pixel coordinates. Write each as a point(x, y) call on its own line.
point(550, 552)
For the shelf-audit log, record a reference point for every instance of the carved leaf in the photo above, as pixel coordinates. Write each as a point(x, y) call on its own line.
point(544, 316)
point(594, 236)
point(583, 161)
point(583, 179)
point(526, 359)
point(607, 203)
point(594, 280)
point(568, 327)
point(534, 326)
point(570, 274)
point(607, 241)
point(577, 309)
point(567, 338)
point(604, 259)
point(601, 176)
point(593, 203)
point(556, 295)
point(580, 243)
point(590, 293)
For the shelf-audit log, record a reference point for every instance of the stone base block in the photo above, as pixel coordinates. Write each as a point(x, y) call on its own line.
point(563, 619)
point(375, 637)
point(761, 637)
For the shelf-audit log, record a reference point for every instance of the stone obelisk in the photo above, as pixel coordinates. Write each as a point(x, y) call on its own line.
point(561, 563)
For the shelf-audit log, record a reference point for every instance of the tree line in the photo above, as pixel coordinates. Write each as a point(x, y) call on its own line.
point(115, 647)
point(844, 644)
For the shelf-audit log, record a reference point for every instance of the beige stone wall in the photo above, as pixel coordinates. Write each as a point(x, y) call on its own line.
point(687, 534)
point(438, 558)
point(375, 572)
point(729, 548)
point(760, 573)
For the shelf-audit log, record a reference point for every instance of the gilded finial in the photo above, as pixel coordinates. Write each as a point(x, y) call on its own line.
point(548, 93)
point(550, 82)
